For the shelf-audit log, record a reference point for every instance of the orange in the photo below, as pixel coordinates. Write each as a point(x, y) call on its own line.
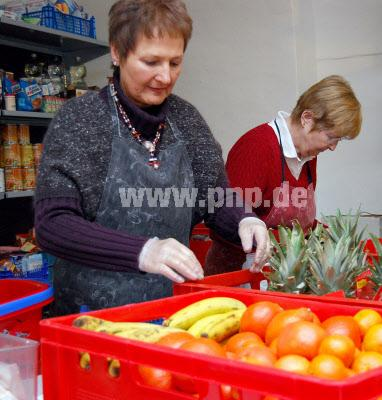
point(373, 339)
point(300, 338)
point(257, 316)
point(258, 356)
point(229, 393)
point(273, 346)
point(286, 317)
point(293, 363)
point(243, 340)
point(175, 340)
point(328, 367)
point(345, 326)
point(204, 346)
point(155, 377)
point(341, 346)
point(366, 361)
point(367, 318)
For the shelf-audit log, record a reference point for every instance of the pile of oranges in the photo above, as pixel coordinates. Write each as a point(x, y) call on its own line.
point(294, 340)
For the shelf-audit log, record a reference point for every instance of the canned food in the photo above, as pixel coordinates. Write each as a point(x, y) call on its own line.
point(10, 134)
point(13, 179)
point(10, 102)
point(37, 152)
point(12, 155)
point(2, 180)
point(29, 178)
point(27, 158)
point(24, 135)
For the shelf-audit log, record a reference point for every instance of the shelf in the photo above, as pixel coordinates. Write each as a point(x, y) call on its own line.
point(25, 117)
point(16, 194)
point(50, 41)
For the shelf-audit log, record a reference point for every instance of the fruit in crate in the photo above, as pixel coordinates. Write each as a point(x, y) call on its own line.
point(372, 340)
point(217, 327)
point(367, 318)
point(146, 332)
point(289, 261)
point(376, 268)
point(334, 265)
point(327, 260)
point(186, 317)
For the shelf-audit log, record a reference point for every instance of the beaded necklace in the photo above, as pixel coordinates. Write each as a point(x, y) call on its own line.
point(150, 146)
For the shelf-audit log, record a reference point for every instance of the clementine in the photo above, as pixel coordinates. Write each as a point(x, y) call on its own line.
point(293, 363)
point(155, 377)
point(285, 318)
point(175, 340)
point(341, 346)
point(366, 361)
point(257, 356)
point(300, 338)
point(372, 341)
point(257, 316)
point(328, 367)
point(367, 318)
point(243, 340)
point(345, 326)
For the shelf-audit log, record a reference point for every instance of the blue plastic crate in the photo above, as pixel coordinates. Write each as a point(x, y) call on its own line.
point(52, 18)
point(39, 272)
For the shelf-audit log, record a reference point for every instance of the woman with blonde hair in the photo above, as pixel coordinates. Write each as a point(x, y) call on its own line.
point(276, 162)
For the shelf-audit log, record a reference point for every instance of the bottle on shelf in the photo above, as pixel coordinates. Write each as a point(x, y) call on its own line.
point(33, 68)
point(77, 84)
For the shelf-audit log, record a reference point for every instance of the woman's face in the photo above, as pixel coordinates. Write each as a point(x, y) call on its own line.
point(150, 71)
point(318, 141)
point(314, 141)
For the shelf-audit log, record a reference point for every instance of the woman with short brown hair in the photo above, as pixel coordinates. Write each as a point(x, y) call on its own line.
point(126, 173)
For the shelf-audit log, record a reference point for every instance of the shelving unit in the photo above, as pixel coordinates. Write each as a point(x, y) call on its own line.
point(17, 41)
point(40, 39)
point(25, 117)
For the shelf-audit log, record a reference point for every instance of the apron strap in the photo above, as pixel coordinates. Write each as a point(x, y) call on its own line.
point(283, 161)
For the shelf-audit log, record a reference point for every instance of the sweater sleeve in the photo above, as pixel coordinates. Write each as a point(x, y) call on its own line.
point(62, 230)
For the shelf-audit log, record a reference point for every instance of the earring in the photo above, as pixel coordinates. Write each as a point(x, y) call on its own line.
point(115, 63)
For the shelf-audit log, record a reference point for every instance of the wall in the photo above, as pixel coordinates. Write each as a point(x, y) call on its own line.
point(249, 58)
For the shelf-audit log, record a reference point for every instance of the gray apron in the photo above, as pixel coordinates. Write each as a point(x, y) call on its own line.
point(79, 288)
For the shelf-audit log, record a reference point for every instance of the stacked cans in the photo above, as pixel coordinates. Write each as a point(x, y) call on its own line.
point(19, 158)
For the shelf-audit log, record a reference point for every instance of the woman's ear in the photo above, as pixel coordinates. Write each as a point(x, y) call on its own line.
point(307, 120)
point(115, 56)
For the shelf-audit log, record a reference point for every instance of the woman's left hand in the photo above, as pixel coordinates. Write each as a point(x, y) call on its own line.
point(252, 230)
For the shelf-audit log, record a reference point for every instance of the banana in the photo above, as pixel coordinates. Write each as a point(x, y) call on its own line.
point(85, 360)
point(200, 325)
point(186, 317)
point(223, 327)
point(113, 367)
point(139, 329)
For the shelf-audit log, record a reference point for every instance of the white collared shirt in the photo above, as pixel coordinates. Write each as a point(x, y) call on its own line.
point(293, 161)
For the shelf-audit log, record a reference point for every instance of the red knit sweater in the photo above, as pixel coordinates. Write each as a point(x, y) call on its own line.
point(255, 161)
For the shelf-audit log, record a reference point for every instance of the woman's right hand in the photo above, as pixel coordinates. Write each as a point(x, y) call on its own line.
point(171, 259)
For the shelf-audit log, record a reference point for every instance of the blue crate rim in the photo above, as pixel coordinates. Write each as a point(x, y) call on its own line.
point(25, 302)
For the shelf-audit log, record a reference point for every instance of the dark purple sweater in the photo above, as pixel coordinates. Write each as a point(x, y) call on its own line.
point(72, 175)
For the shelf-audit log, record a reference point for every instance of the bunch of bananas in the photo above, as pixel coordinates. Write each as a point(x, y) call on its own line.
point(217, 318)
point(146, 332)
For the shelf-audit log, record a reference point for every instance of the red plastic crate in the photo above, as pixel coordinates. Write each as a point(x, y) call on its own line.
point(21, 303)
point(200, 242)
point(63, 377)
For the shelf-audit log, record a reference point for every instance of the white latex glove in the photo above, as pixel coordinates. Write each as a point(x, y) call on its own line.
point(171, 259)
point(253, 230)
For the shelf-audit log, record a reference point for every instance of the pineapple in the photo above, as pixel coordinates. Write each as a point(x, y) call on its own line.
point(340, 225)
point(288, 261)
point(376, 267)
point(334, 265)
